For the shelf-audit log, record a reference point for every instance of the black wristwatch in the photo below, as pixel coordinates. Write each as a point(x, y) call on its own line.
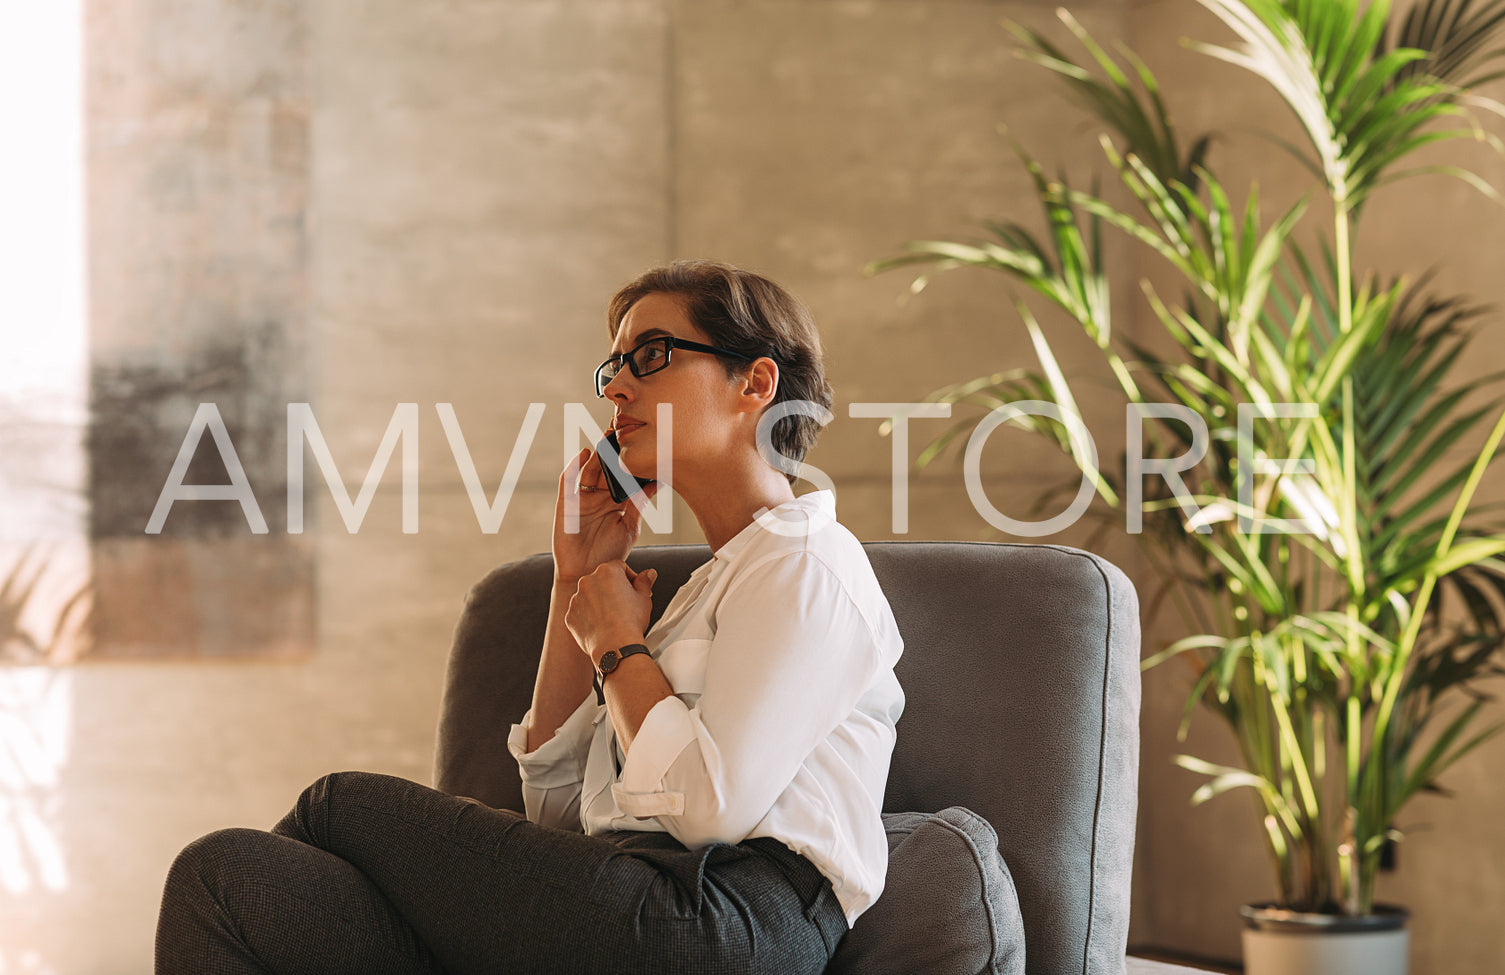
point(610, 661)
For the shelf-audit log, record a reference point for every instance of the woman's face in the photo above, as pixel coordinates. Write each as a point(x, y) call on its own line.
point(694, 383)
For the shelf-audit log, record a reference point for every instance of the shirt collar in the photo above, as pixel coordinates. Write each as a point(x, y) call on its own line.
point(818, 506)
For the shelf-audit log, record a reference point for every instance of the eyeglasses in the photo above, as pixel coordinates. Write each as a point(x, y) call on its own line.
point(649, 357)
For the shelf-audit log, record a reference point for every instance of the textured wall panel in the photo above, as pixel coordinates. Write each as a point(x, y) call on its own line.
point(198, 173)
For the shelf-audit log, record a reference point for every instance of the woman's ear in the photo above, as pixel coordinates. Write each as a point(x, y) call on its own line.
point(760, 383)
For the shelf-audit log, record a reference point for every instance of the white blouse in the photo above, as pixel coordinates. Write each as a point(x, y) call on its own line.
point(780, 651)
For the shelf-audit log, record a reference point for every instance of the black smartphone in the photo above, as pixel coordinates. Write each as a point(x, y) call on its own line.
point(616, 474)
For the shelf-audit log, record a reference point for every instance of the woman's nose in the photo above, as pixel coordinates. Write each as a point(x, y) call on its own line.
point(617, 386)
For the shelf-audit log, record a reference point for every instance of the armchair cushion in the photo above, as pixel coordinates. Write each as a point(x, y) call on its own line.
point(949, 906)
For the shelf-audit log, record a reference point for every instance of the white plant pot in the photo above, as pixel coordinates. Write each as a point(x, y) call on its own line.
point(1282, 942)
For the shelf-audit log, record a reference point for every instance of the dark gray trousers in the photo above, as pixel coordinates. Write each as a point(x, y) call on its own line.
point(373, 874)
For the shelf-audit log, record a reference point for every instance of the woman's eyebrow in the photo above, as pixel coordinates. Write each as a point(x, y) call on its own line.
point(646, 334)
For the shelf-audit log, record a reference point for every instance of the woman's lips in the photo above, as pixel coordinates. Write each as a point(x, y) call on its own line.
point(629, 428)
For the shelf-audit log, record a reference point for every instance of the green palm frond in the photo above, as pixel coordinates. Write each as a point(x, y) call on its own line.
point(1065, 269)
point(1134, 112)
point(1363, 107)
point(1456, 35)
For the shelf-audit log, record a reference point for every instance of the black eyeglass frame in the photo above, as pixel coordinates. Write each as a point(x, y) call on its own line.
point(670, 343)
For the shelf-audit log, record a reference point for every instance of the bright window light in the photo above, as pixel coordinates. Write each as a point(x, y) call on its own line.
point(43, 412)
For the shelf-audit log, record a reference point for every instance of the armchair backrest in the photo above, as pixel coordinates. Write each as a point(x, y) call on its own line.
point(1021, 674)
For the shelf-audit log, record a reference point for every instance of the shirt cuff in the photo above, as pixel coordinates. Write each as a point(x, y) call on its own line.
point(667, 730)
point(559, 761)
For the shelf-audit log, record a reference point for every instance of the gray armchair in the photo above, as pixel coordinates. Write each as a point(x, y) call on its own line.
point(1021, 671)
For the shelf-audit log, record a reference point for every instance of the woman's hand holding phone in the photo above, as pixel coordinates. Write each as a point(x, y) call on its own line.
point(608, 529)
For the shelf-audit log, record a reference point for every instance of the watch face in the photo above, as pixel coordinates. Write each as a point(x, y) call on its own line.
point(609, 661)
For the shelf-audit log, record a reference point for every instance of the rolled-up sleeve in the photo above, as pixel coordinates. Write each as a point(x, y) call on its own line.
point(791, 656)
point(552, 774)
point(666, 731)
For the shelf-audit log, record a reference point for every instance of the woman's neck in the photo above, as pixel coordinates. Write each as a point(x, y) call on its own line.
point(731, 503)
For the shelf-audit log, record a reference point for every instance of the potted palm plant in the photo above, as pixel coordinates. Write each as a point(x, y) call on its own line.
point(1352, 595)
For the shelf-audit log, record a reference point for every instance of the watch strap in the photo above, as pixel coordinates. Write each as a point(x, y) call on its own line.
point(610, 661)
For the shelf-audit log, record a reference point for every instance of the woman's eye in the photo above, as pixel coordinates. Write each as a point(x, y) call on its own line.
point(650, 355)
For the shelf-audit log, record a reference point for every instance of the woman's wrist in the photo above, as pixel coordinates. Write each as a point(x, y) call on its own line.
point(612, 641)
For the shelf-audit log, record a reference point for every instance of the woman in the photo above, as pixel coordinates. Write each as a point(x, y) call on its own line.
point(702, 795)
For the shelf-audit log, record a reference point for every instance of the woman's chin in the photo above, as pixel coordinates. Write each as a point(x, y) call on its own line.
point(639, 461)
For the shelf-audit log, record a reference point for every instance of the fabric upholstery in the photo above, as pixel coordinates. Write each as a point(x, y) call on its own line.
point(1021, 672)
point(949, 907)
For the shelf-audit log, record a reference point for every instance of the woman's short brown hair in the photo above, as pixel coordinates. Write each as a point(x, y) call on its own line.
point(746, 313)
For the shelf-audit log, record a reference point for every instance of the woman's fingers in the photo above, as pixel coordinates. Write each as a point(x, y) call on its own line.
point(582, 475)
point(606, 529)
point(602, 604)
point(569, 478)
point(590, 474)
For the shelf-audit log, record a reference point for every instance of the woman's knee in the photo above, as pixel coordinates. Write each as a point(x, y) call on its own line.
point(217, 860)
point(362, 787)
point(308, 820)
